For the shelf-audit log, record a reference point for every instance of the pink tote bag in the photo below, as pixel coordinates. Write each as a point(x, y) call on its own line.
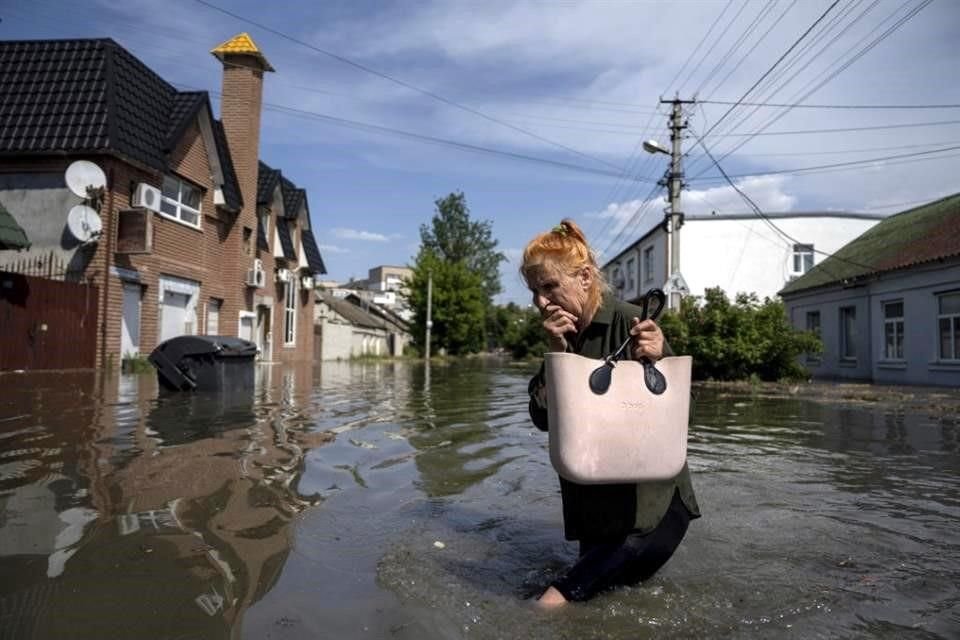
point(625, 432)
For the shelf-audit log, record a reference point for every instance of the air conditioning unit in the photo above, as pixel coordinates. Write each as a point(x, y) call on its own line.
point(283, 275)
point(258, 264)
point(306, 282)
point(256, 277)
point(146, 196)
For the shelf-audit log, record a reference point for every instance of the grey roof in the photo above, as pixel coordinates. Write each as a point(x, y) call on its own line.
point(352, 313)
point(92, 97)
point(267, 178)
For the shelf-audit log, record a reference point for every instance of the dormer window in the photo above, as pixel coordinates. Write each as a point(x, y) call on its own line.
point(181, 201)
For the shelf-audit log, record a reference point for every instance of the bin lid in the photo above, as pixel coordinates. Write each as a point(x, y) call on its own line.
point(221, 346)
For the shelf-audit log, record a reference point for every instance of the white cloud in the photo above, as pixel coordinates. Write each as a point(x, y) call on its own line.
point(354, 234)
point(330, 248)
point(625, 222)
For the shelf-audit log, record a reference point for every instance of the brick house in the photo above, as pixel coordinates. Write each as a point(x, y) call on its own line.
point(227, 248)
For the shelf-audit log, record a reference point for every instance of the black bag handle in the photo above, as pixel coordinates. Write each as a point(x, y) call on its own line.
point(656, 382)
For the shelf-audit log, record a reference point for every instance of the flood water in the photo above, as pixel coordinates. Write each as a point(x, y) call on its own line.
point(385, 500)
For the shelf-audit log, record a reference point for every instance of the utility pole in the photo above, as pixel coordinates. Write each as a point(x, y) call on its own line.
point(429, 311)
point(675, 287)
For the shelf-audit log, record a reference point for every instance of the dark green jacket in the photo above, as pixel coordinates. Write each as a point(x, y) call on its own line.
point(606, 511)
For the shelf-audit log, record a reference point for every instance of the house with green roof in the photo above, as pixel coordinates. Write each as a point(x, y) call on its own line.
point(887, 305)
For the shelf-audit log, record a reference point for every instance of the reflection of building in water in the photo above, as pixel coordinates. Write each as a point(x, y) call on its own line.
point(189, 534)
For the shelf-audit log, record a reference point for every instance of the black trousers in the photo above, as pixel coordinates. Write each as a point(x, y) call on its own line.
point(633, 559)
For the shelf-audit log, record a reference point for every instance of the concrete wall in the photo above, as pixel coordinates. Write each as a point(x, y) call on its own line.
point(917, 288)
point(736, 254)
point(39, 202)
point(746, 255)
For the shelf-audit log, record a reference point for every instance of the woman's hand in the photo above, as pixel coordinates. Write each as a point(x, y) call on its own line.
point(647, 340)
point(557, 324)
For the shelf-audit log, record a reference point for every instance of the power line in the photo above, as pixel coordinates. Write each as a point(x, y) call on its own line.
point(908, 125)
point(755, 45)
point(756, 209)
point(835, 165)
point(736, 43)
point(405, 84)
point(356, 124)
point(697, 48)
point(836, 106)
point(859, 54)
point(774, 66)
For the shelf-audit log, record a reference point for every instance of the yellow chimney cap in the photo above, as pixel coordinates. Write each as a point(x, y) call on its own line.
point(241, 44)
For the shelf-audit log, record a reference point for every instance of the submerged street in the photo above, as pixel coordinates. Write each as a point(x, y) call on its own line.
point(391, 500)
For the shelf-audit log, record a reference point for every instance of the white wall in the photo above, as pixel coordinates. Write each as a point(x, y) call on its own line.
point(746, 255)
point(736, 254)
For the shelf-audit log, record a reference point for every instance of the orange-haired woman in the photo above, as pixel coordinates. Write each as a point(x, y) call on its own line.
point(626, 531)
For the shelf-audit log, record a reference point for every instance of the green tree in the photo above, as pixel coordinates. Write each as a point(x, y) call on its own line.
point(739, 339)
point(454, 237)
point(459, 305)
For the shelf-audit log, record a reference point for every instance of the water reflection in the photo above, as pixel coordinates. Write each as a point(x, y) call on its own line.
point(154, 515)
point(394, 500)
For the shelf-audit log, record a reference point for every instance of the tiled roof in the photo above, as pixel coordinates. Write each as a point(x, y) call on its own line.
point(352, 313)
point(920, 235)
point(90, 96)
point(266, 182)
point(241, 44)
point(231, 186)
point(292, 197)
point(313, 252)
point(286, 241)
point(184, 108)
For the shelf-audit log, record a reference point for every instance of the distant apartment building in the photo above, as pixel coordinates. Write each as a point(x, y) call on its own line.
point(383, 286)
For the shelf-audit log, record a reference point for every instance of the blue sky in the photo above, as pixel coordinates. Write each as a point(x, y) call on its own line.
point(579, 84)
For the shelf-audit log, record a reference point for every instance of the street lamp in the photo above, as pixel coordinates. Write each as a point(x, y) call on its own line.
point(652, 146)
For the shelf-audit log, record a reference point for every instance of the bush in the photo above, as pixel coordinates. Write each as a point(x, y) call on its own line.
point(735, 341)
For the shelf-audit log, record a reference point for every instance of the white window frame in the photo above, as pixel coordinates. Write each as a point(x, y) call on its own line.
point(802, 254)
point(953, 319)
point(648, 264)
point(848, 343)
point(178, 203)
point(290, 313)
point(896, 324)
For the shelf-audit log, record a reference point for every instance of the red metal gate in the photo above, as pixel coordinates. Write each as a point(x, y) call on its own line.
point(46, 324)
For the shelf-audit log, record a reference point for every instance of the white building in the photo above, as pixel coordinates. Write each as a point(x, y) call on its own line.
point(383, 287)
point(887, 305)
point(736, 252)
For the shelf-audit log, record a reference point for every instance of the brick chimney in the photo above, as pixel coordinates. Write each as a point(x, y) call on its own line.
point(240, 105)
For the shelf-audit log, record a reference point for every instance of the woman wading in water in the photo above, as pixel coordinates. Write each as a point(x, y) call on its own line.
point(626, 531)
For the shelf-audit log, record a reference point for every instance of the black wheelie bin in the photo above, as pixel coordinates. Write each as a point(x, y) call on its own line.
point(205, 363)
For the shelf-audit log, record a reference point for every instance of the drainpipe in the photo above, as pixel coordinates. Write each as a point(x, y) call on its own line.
point(106, 271)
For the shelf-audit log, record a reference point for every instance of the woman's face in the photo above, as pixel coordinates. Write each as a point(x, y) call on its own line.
point(552, 286)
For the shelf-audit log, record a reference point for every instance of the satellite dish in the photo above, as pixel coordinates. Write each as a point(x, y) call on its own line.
point(83, 174)
point(84, 223)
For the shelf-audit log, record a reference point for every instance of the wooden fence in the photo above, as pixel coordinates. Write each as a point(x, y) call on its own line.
point(46, 324)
